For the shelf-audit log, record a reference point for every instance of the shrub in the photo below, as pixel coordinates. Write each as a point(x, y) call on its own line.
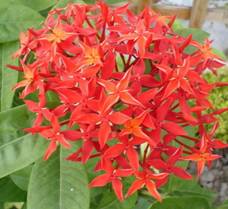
point(125, 87)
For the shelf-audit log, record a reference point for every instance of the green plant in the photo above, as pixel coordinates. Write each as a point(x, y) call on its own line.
point(219, 98)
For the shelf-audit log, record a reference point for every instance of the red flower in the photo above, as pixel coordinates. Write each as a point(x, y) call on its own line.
point(169, 165)
point(119, 91)
point(147, 178)
point(124, 86)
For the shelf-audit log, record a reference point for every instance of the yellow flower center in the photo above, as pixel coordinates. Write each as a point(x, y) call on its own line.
point(92, 57)
point(57, 35)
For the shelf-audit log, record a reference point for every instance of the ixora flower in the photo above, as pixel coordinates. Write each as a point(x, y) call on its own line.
point(126, 88)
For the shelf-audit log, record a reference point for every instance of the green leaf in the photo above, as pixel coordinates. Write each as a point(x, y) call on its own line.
point(63, 3)
point(90, 1)
point(177, 186)
point(17, 18)
point(109, 201)
point(20, 153)
point(33, 4)
point(114, 1)
point(52, 99)
point(12, 123)
point(38, 5)
point(8, 77)
point(188, 202)
point(58, 184)
point(197, 34)
point(21, 177)
point(143, 203)
point(17, 150)
point(11, 192)
point(177, 25)
point(219, 53)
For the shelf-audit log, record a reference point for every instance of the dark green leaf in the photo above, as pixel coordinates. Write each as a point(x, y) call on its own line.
point(21, 177)
point(177, 186)
point(45, 12)
point(188, 202)
point(110, 201)
point(10, 192)
point(58, 184)
point(17, 18)
point(8, 77)
point(52, 99)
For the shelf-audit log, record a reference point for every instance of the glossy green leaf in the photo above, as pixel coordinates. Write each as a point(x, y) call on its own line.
point(17, 18)
point(184, 202)
point(8, 77)
point(10, 192)
point(12, 123)
point(21, 177)
point(58, 184)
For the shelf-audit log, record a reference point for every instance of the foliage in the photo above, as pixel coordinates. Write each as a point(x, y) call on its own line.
point(219, 98)
point(57, 183)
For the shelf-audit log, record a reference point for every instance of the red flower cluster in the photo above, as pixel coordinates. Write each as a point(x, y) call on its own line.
point(126, 89)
